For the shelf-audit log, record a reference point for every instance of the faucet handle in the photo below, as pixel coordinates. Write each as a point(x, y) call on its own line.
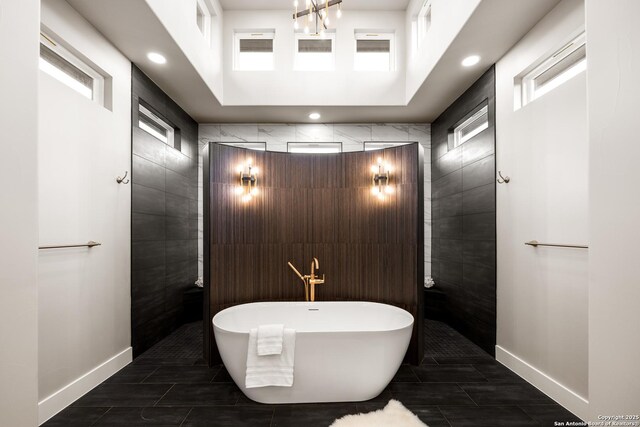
point(318, 281)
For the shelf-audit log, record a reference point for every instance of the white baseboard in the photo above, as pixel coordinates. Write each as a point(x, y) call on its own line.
point(572, 401)
point(68, 394)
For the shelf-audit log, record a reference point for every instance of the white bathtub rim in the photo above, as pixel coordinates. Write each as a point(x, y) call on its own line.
point(349, 331)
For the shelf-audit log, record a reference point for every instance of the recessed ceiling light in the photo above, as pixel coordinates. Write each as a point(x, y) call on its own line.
point(470, 60)
point(157, 58)
point(314, 116)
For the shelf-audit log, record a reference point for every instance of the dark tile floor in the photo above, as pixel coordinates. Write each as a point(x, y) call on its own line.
point(456, 385)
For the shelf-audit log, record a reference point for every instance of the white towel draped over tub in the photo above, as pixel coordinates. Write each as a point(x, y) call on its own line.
point(270, 339)
point(272, 370)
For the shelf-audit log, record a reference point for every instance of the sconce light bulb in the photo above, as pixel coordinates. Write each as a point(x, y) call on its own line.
point(379, 160)
point(375, 191)
point(306, 30)
point(339, 12)
point(387, 168)
point(295, 3)
point(380, 195)
point(295, 25)
point(326, 21)
point(239, 190)
point(249, 162)
point(254, 171)
point(374, 169)
point(254, 191)
point(388, 189)
point(246, 198)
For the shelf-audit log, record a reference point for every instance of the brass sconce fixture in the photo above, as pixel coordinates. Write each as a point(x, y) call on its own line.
point(248, 181)
point(381, 179)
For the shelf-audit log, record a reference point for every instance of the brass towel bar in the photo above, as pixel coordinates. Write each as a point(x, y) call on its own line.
point(535, 244)
point(89, 244)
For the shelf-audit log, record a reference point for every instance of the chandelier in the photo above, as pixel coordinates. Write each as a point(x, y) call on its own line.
point(315, 15)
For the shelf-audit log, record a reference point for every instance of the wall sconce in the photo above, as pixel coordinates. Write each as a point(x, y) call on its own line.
point(248, 181)
point(381, 179)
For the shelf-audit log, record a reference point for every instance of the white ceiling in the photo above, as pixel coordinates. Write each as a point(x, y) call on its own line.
point(486, 33)
point(288, 4)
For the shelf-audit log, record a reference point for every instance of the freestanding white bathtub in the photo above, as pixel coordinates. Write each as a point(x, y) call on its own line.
point(345, 351)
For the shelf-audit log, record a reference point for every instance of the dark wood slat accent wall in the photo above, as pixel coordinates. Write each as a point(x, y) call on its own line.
point(314, 205)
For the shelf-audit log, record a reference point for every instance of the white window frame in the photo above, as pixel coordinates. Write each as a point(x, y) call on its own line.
point(264, 34)
point(528, 90)
point(297, 63)
point(202, 8)
point(375, 35)
point(458, 139)
point(424, 22)
point(382, 145)
point(97, 91)
point(256, 146)
point(169, 139)
point(314, 147)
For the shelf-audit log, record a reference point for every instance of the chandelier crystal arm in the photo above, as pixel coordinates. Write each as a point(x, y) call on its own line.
point(316, 8)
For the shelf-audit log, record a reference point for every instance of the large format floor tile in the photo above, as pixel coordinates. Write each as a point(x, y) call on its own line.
point(449, 374)
point(229, 416)
point(76, 417)
point(150, 416)
point(310, 415)
point(500, 394)
point(125, 395)
point(429, 394)
point(201, 395)
point(456, 385)
point(488, 416)
point(182, 375)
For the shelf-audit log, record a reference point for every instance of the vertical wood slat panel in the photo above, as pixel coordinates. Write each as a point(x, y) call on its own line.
point(314, 205)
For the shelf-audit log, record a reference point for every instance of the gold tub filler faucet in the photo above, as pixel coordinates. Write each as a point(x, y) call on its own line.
point(310, 280)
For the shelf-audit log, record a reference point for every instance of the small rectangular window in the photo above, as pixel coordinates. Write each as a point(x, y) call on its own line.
point(373, 146)
point(314, 147)
point(155, 126)
point(68, 69)
point(471, 127)
point(257, 146)
point(314, 52)
point(254, 51)
point(564, 64)
point(204, 19)
point(200, 19)
point(424, 21)
point(374, 51)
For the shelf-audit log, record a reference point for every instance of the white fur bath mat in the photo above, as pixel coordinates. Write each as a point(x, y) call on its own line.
point(394, 414)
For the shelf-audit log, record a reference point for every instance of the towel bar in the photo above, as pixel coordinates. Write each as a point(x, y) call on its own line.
point(535, 244)
point(89, 244)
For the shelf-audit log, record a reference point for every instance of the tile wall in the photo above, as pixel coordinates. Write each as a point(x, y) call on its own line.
point(164, 222)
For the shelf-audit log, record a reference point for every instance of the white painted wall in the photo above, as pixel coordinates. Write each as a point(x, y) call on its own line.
point(352, 137)
point(613, 89)
point(542, 294)
point(448, 18)
point(19, 22)
point(343, 86)
point(205, 55)
point(84, 300)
